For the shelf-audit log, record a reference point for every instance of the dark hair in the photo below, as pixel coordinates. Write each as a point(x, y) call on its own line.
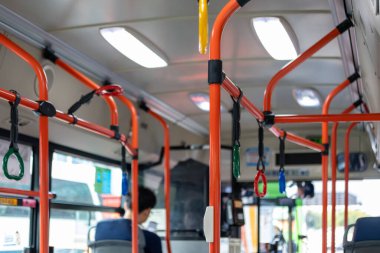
point(147, 199)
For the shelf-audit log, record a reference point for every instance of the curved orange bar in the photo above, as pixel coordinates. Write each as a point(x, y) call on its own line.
point(347, 170)
point(295, 63)
point(43, 142)
point(167, 174)
point(333, 176)
point(135, 171)
point(214, 187)
point(92, 85)
point(313, 118)
point(325, 161)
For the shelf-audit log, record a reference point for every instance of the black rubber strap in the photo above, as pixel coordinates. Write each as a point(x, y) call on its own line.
point(116, 130)
point(345, 25)
point(14, 121)
point(123, 159)
point(84, 99)
point(215, 72)
point(242, 2)
point(282, 151)
point(236, 118)
point(261, 141)
point(358, 102)
point(49, 54)
point(143, 106)
point(354, 77)
point(325, 152)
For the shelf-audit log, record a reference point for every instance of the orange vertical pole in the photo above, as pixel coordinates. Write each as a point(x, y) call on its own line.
point(167, 174)
point(333, 176)
point(135, 171)
point(325, 161)
point(347, 170)
point(43, 141)
point(214, 89)
point(92, 85)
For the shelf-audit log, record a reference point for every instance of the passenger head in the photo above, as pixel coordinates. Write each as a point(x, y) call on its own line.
point(147, 200)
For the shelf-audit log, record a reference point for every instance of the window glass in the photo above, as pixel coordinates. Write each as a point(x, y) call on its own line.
point(14, 228)
point(13, 166)
point(69, 229)
point(84, 181)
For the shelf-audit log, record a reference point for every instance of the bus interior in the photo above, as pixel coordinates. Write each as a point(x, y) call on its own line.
point(255, 123)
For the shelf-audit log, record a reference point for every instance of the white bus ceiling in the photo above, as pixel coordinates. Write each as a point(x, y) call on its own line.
point(172, 27)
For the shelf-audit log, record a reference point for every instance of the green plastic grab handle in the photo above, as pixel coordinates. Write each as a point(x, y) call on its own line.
point(14, 152)
point(236, 160)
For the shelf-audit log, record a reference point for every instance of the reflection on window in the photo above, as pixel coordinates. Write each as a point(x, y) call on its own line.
point(14, 228)
point(83, 181)
point(68, 229)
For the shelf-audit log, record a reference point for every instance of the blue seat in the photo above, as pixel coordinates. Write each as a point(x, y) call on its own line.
point(366, 237)
point(114, 236)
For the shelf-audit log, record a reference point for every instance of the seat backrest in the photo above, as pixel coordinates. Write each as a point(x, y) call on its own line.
point(115, 236)
point(366, 237)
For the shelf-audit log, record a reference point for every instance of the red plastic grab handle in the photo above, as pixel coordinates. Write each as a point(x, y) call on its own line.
point(110, 90)
point(260, 175)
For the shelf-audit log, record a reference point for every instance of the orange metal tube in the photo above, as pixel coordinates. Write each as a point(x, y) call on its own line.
point(135, 171)
point(361, 117)
point(325, 161)
point(214, 88)
point(167, 174)
point(333, 176)
point(295, 63)
point(23, 192)
point(231, 88)
point(92, 85)
point(43, 141)
point(347, 170)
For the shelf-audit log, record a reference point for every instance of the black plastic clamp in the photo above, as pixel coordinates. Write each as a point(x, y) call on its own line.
point(345, 25)
point(115, 129)
point(358, 102)
point(268, 119)
point(49, 54)
point(143, 106)
point(326, 149)
point(136, 155)
point(353, 77)
point(215, 72)
point(46, 109)
point(242, 2)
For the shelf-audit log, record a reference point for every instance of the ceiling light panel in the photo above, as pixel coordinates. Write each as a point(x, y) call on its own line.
point(134, 46)
point(277, 37)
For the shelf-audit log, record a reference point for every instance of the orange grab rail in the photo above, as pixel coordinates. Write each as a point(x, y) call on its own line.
point(24, 193)
point(341, 28)
point(312, 118)
point(50, 55)
point(167, 173)
point(43, 143)
point(333, 173)
point(135, 171)
point(347, 170)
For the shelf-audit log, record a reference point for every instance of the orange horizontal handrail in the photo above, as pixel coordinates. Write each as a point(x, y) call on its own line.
point(293, 119)
point(35, 194)
point(92, 85)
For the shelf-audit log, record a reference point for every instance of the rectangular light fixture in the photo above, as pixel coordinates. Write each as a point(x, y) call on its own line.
point(127, 43)
point(277, 37)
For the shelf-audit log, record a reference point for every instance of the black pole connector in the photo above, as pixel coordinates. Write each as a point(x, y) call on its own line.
point(353, 77)
point(358, 102)
point(46, 109)
point(345, 25)
point(326, 150)
point(268, 119)
point(115, 129)
point(215, 72)
point(242, 2)
point(49, 54)
point(143, 106)
point(136, 156)
point(106, 82)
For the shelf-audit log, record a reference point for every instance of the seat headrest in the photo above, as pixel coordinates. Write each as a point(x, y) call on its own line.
point(367, 229)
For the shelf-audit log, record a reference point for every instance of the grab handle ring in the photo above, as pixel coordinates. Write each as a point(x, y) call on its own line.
point(110, 90)
point(15, 152)
point(203, 26)
point(260, 176)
